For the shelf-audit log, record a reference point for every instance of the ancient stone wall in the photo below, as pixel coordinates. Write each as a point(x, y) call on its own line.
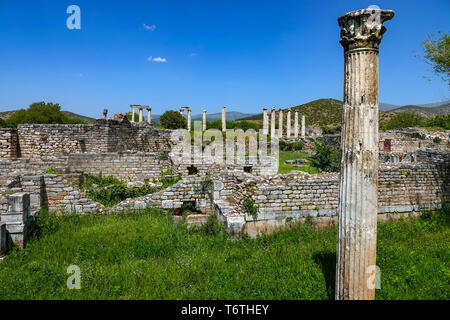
point(401, 188)
point(106, 135)
point(124, 166)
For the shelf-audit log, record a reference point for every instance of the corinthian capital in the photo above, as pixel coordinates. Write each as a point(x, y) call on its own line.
point(363, 28)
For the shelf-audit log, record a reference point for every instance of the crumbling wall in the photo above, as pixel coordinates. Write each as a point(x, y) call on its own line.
point(9, 144)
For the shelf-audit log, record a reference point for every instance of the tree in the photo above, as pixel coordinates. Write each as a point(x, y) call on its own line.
point(40, 112)
point(437, 54)
point(129, 115)
point(173, 120)
point(325, 158)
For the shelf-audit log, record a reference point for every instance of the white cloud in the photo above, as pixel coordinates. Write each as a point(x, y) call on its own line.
point(150, 28)
point(156, 59)
point(193, 54)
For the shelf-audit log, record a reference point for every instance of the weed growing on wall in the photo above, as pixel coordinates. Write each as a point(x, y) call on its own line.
point(110, 191)
point(251, 207)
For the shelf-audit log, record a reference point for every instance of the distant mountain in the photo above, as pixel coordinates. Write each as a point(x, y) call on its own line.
point(436, 104)
point(387, 106)
point(426, 112)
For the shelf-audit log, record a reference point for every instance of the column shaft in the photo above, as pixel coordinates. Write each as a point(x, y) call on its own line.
point(296, 124)
point(280, 123)
point(361, 34)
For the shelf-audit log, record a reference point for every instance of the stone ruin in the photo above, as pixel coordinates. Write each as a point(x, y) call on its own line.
point(413, 172)
point(131, 151)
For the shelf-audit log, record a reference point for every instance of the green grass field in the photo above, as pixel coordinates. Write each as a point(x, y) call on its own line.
point(144, 256)
point(292, 155)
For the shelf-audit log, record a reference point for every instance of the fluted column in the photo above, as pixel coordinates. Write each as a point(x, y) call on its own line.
point(303, 127)
point(141, 114)
point(204, 120)
point(132, 112)
point(189, 119)
point(149, 114)
point(361, 33)
point(265, 121)
point(296, 124)
point(280, 123)
point(224, 119)
point(272, 122)
point(288, 124)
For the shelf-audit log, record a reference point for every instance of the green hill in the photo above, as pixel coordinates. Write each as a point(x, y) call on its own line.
point(72, 115)
point(319, 112)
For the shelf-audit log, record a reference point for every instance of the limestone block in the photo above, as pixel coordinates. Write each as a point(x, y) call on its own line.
point(167, 204)
point(19, 202)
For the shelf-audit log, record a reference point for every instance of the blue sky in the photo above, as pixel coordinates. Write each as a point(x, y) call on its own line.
point(243, 54)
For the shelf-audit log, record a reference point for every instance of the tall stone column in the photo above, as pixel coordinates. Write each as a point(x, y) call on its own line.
point(265, 121)
point(361, 33)
point(149, 114)
point(204, 120)
point(280, 123)
point(288, 124)
point(224, 119)
point(189, 119)
point(132, 113)
point(296, 124)
point(141, 114)
point(303, 127)
point(272, 122)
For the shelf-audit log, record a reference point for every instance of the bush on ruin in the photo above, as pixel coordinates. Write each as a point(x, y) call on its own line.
point(325, 158)
point(173, 120)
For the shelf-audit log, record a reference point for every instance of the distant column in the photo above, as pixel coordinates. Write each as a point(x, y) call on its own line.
point(288, 124)
point(149, 114)
point(141, 113)
point(361, 33)
point(265, 121)
point(105, 113)
point(296, 124)
point(204, 120)
point(132, 112)
point(224, 119)
point(280, 123)
point(189, 119)
point(272, 122)
point(303, 127)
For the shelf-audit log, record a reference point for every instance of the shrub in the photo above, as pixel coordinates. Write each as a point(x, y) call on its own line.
point(403, 120)
point(173, 120)
point(325, 158)
point(437, 140)
point(442, 122)
point(163, 156)
point(297, 145)
point(250, 207)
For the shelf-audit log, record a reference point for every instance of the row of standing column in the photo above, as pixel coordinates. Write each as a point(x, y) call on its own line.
point(279, 133)
point(141, 113)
